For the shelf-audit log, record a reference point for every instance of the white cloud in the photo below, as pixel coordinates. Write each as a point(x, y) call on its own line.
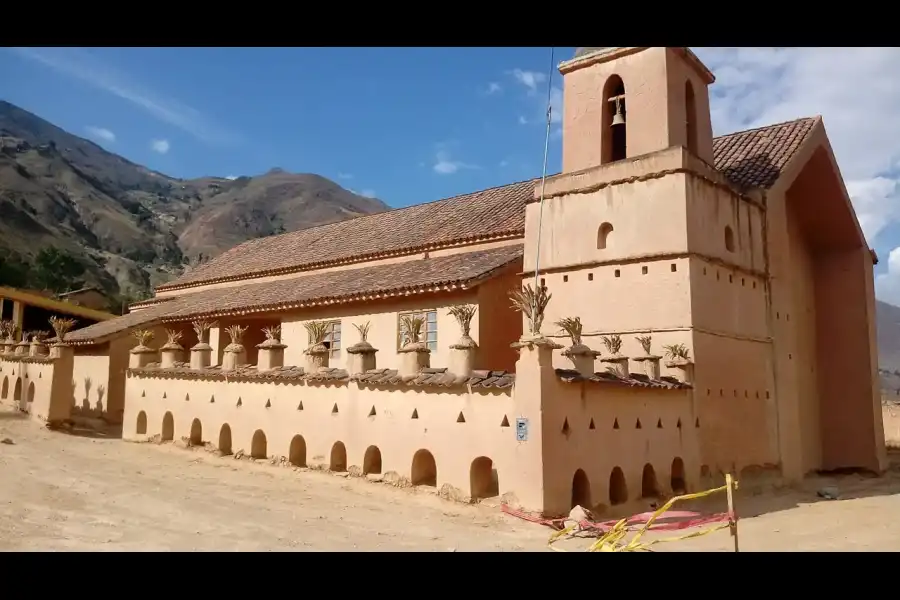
point(887, 284)
point(345, 175)
point(368, 193)
point(493, 88)
point(101, 133)
point(523, 120)
point(81, 65)
point(857, 92)
point(160, 146)
point(231, 177)
point(444, 164)
point(530, 79)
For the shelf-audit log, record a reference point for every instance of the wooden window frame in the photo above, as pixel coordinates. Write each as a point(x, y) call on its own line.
point(431, 327)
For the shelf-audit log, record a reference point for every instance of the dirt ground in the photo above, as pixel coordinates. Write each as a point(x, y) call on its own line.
point(82, 492)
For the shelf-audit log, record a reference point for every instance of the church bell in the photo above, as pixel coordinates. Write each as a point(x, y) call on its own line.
point(618, 118)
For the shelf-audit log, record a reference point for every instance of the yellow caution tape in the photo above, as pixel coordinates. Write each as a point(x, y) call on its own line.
point(611, 541)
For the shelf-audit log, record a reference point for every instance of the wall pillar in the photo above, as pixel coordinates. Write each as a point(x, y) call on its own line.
point(536, 488)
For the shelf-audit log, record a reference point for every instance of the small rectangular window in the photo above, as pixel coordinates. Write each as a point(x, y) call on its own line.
point(332, 338)
point(429, 329)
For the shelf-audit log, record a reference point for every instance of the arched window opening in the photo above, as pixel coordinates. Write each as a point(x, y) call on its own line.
point(141, 428)
point(225, 439)
point(338, 459)
point(424, 469)
point(690, 107)
point(196, 433)
point(729, 238)
point(168, 427)
point(5, 392)
point(372, 460)
point(618, 489)
point(678, 483)
point(649, 485)
point(297, 451)
point(581, 490)
point(483, 479)
point(613, 135)
point(603, 235)
point(258, 445)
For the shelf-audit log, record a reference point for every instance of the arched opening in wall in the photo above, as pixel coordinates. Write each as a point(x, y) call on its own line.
point(729, 238)
point(141, 427)
point(603, 235)
point(484, 481)
point(581, 490)
point(225, 439)
point(372, 460)
point(17, 391)
point(297, 451)
point(690, 107)
point(258, 444)
point(424, 469)
point(649, 485)
point(30, 392)
point(678, 484)
point(4, 392)
point(612, 136)
point(338, 462)
point(618, 489)
point(168, 427)
point(196, 433)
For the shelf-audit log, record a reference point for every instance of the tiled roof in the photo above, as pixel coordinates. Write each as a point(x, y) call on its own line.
point(633, 380)
point(376, 377)
point(749, 159)
point(496, 212)
point(414, 276)
point(755, 158)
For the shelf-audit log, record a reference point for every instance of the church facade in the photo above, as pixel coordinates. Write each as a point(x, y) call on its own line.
point(711, 309)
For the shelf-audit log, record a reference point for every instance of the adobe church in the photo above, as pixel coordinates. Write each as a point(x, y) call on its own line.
point(711, 310)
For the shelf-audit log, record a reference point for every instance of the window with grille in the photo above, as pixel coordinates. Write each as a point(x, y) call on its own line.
point(429, 329)
point(332, 338)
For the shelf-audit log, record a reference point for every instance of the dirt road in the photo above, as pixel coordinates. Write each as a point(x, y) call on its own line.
point(68, 492)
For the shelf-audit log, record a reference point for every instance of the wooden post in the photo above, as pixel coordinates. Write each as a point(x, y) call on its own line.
point(732, 515)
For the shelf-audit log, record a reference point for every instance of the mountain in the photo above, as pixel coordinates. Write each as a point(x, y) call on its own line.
point(125, 228)
point(888, 327)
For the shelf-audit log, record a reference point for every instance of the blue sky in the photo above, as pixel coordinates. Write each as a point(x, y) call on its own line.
point(411, 125)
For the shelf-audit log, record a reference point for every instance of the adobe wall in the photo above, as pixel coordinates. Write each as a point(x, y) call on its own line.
point(338, 424)
point(890, 415)
point(27, 383)
point(384, 329)
point(606, 434)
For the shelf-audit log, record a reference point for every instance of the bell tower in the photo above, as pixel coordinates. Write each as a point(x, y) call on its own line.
point(620, 103)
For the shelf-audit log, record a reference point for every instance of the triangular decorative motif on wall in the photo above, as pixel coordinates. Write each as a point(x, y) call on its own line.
point(678, 424)
point(40, 375)
point(592, 426)
point(143, 393)
point(638, 425)
point(460, 418)
point(504, 422)
point(187, 397)
point(239, 403)
point(300, 406)
point(659, 424)
point(565, 427)
point(697, 423)
point(372, 412)
point(415, 414)
point(334, 409)
point(616, 424)
point(164, 395)
point(268, 403)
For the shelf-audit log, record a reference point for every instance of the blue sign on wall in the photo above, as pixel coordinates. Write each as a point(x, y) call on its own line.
point(522, 429)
